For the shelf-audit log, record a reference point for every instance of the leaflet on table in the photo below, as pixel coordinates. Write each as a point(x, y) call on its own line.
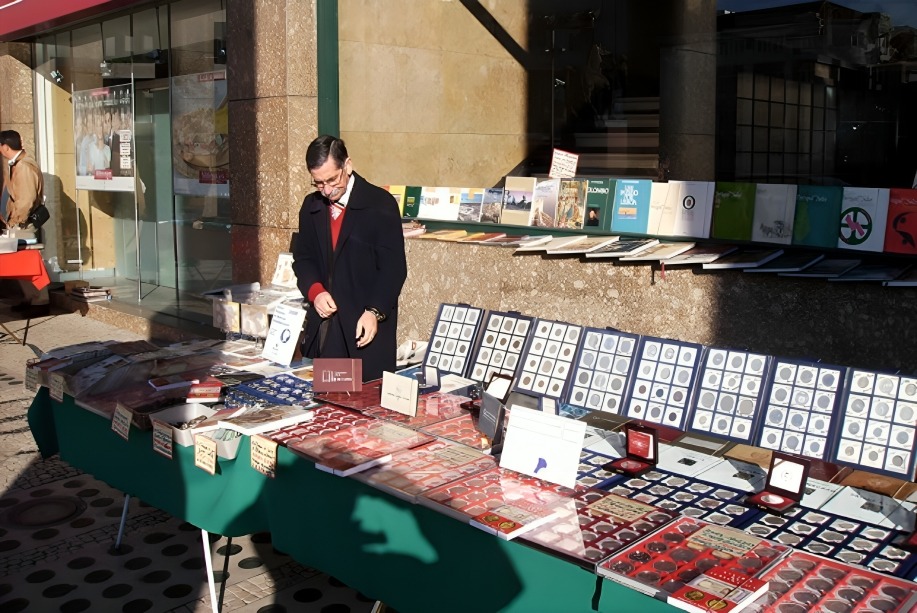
point(603, 441)
point(818, 492)
point(736, 474)
point(542, 445)
point(685, 462)
point(399, 393)
point(871, 508)
point(284, 334)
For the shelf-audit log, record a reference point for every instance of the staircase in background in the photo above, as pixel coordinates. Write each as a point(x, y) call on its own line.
point(625, 144)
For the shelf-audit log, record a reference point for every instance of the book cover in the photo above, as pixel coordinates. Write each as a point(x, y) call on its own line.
point(512, 240)
point(659, 252)
point(688, 209)
point(533, 244)
point(864, 212)
point(517, 201)
point(398, 193)
point(358, 448)
point(480, 237)
point(471, 201)
point(412, 194)
point(872, 272)
point(258, 420)
point(571, 204)
point(901, 229)
point(207, 391)
point(412, 229)
point(717, 589)
point(444, 235)
point(631, 206)
point(818, 209)
point(659, 216)
point(825, 269)
point(701, 254)
point(413, 471)
point(544, 203)
point(775, 210)
point(588, 244)
point(733, 211)
point(908, 279)
point(790, 262)
point(747, 258)
point(599, 198)
point(492, 205)
point(621, 248)
point(438, 203)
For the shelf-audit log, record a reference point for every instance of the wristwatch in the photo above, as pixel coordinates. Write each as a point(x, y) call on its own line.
point(376, 312)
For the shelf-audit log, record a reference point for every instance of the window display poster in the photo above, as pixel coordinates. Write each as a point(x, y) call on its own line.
point(103, 139)
point(200, 134)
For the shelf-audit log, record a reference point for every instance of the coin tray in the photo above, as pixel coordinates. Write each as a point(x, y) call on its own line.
point(454, 333)
point(547, 360)
point(663, 381)
point(602, 369)
point(502, 342)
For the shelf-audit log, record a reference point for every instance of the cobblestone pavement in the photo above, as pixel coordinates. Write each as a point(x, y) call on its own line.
point(58, 525)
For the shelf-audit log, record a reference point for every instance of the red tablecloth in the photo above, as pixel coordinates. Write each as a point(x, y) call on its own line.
point(25, 265)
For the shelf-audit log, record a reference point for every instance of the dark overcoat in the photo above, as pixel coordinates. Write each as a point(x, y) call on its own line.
point(367, 269)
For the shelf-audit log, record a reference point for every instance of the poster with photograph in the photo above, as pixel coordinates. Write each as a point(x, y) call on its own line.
point(200, 134)
point(103, 139)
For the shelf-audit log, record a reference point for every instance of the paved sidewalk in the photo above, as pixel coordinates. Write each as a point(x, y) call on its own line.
point(58, 525)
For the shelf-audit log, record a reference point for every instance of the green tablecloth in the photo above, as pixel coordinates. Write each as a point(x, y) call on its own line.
point(406, 555)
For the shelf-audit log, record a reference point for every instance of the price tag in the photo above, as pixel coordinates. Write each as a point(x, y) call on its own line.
point(162, 438)
point(56, 385)
point(205, 453)
point(32, 379)
point(264, 456)
point(121, 422)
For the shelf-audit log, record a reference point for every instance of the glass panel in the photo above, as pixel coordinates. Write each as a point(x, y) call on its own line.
point(792, 92)
point(761, 139)
point(761, 111)
point(744, 111)
point(790, 140)
point(762, 87)
point(743, 138)
point(777, 111)
point(745, 85)
point(792, 116)
point(777, 90)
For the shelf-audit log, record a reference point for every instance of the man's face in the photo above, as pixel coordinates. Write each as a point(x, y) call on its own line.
point(331, 179)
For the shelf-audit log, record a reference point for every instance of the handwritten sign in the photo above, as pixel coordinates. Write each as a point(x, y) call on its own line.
point(563, 164)
point(32, 379)
point(162, 438)
point(56, 385)
point(121, 422)
point(205, 453)
point(729, 540)
point(620, 508)
point(283, 335)
point(399, 393)
point(264, 456)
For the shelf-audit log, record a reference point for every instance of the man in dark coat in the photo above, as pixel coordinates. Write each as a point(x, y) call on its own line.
point(349, 262)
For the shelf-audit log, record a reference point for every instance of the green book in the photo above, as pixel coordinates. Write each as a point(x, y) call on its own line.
point(818, 211)
point(411, 201)
point(598, 195)
point(733, 211)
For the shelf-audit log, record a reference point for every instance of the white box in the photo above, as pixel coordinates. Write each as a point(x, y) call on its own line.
point(183, 413)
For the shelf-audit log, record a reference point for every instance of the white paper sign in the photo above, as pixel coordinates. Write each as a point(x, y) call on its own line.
point(283, 335)
point(563, 164)
point(121, 422)
point(162, 438)
point(56, 386)
point(544, 446)
point(32, 379)
point(399, 393)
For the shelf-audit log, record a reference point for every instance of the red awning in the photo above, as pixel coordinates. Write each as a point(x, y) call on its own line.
point(23, 18)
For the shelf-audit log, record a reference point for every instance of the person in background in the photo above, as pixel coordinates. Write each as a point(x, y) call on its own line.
point(349, 262)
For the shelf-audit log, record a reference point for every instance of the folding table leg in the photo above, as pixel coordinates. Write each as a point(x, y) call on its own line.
point(10, 332)
point(127, 500)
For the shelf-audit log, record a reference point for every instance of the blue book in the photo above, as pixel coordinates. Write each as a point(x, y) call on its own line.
point(818, 209)
point(631, 209)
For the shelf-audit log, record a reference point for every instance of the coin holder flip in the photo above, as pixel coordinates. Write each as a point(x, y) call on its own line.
point(799, 408)
point(502, 342)
point(729, 394)
point(602, 368)
point(663, 381)
point(547, 359)
point(453, 337)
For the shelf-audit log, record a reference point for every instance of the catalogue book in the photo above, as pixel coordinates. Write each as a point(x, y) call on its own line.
point(901, 229)
point(492, 205)
point(625, 247)
point(701, 254)
point(818, 209)
point(590, 243)
point(790, 262)
point(470, 202)
point(544, 203)
point(864, 212)
point(631, 206)
point(733, 211)
point(748, 258)
point(775, 210)
point(258, 420)
point(397, 192)
point(688, 209)
point(599, 197)
point(517, 201)
point(412, 200)
point(660, 252)
point(438, 203)
point(571, 204)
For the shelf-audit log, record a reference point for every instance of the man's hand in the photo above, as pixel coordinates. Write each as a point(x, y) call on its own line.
point(366, 328)
point(325, 306)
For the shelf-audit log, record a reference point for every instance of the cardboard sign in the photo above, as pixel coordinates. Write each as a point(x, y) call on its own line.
point(490, 422)
point(121, 422)
point(32, 379)
point(162, 438)
point(264, 456)
point(56, 385)
point(563, 164)
point(543, 446)
point(337, 375)
point(283, 335)
point(399, 393)
point(205, 453)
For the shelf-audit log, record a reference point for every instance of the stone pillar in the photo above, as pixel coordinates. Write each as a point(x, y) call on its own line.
point(687, 90)
point(16, 104)
point(271, 68)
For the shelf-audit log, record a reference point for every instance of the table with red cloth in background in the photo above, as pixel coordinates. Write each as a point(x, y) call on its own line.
point(25, 265)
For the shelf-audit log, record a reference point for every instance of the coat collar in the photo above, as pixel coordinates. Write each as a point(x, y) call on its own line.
point(319, 202)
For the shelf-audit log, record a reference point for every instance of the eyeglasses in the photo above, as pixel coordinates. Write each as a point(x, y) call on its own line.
point(321, 184)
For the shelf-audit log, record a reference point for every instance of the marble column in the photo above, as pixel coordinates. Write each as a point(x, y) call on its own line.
point(271, 66)
point(16, 105)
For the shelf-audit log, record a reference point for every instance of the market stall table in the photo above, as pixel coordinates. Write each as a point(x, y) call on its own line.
point(405, 555)
point(28, 266)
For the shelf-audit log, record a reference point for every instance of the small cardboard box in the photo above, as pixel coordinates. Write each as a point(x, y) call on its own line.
point(184, 413)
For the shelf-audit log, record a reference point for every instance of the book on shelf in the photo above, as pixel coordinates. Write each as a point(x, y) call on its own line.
point(818, 209)
point(258, 420)
point(530, 241)
point(747, 258)
point(438, 203)
point(686, 210)
point(733, 211)
point(553, 242)
point(517, 201)
point(480, 237)
point(358, 448)
point(599, 197)
point(790, 262)
point(397, 192)
point(701, 254)
point(412, 229)
point(492, 205)
point(872, 272)
point(864, 213)
point(206, 391)
point(901, 228)
point(718, 590)
point(775, 210)
point(544, 203)
point(411, 201)
point(413, 471)
point(589, 243)
point(444, 235)
point(908, 279)
point(624, 247)
point(471, 200)
point(659, 252)
point(571, 204)
point(470, 237)
point(631, 206)
point(826, 268)
point(93, 293)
